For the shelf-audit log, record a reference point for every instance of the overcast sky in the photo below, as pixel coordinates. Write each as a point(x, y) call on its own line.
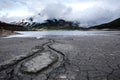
point(87, 12)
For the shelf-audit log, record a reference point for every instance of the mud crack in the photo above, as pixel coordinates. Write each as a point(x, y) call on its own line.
point(41, 60)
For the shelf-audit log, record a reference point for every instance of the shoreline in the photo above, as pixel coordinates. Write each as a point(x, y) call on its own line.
point(5, 33)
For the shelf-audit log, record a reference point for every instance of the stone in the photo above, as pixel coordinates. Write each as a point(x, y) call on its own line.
point(39, 62)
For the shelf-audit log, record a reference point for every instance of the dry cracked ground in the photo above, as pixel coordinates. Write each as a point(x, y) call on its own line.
point(60, 58)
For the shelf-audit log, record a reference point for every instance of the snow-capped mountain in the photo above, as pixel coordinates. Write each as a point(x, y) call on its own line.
point(31, 21)
point(38, 21)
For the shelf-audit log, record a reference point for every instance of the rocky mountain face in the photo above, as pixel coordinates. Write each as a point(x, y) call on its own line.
point(49, 24)
point(114, 25)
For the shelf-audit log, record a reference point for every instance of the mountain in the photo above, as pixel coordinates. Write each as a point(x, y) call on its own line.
point(50, 24)
point(113, 25)
point(30, 21)
point(11, 27)
point(24, 22)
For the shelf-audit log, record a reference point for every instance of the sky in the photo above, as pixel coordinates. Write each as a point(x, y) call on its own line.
point(87, 12)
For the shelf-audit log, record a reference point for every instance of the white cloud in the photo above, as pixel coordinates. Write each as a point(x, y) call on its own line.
point(56, 10)
point(88, 12)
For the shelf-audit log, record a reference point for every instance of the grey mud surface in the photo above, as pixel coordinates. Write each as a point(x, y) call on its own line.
point(60, 58)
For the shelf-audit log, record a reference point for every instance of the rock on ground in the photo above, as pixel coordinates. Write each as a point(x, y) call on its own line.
point(38, 63)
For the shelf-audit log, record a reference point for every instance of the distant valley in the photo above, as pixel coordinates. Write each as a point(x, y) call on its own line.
point(56, 24)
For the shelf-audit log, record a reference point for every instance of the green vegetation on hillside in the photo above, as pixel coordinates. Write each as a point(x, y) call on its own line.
point(114, 25)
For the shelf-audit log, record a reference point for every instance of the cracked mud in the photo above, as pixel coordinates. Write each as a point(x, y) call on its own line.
point(79, 58)
point(38, 63)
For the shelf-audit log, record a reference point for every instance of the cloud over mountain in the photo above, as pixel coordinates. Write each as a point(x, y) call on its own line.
point(87, 12)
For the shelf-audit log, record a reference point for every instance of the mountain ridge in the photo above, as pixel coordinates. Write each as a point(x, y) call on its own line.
point(114, 25)
point(50, 24)
point(12, 27)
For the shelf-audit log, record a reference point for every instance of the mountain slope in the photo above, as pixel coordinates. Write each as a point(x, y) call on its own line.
point(12, 27)
point(114, 25)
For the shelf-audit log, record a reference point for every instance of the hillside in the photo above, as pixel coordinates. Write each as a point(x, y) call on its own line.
point(11, 27)
point(114, 25)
